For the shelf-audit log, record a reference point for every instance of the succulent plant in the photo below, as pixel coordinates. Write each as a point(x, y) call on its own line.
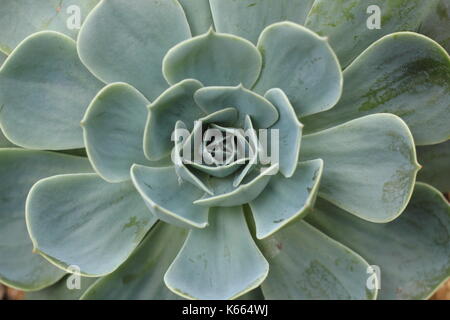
point(96, 160)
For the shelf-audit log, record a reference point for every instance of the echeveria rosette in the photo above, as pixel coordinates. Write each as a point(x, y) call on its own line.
point(364, 163)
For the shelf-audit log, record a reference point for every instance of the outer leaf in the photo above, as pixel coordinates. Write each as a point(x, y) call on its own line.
point(20, 18)
point(60, 290)
point(215, 59)
point(262, 112)
point(290, 131)
point(286, 200)
point(19, 170)
point(82, 220)
point(167, 198)
point(114, 129)
point(437, 24)
point(413, 252)
point(219, 262)
point(247, 18)
point(123, 42)
point(141, 276)
point(302, 64)
point(435, 160)
point(345, 22)
point(409, 76)
point(307, 264)
point(226, 194)
point(198, 14)
point(175, 104)
point(370, 165)
point(45, 88)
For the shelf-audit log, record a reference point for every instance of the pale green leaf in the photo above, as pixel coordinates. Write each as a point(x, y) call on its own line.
point(305, 264)
point(19, 170)
point(286, 200)
point(44, 91)
point(247, 18)
point(218, 262)
point(81, 220)
point(120, 42)
point(370, 165)
point(412, 252)
point(302, 64)
point(215, 59)
point(405, 74)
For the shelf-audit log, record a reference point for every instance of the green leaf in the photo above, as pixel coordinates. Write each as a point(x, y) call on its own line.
point(405, 74)
point(289, 131)
point(44, 91)
point(218, 262)
point(286, 200)
point(345, 22)
point(305, 264)
point(120, 42)
point(412, 252)
point(198, 14)
point(262, 112)
point(370, 165)
point(60, 290)
point(175, 104)
point(227, 195)
point(81, 220)
point(247, 18)
point(114, 129)
point(302, 64)
point(437, 24)
point(215, 59)
point(141, 276)
point(19, 170)
point(167, 198)
point(20, 18)
point(435, 160)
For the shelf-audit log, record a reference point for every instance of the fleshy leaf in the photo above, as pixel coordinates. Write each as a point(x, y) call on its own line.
point(175, 104)
point(114, 129)
point(305, 264)
point(227, 195)
point(141, 276)
point(409, 76)
point(262, 112)
point(435, 160)
point(346, 22)
point(247, 18)
point(412, 252)
point(19, 170)
point(437, 24)
point(79, 219)
point(198, 14)
point(44, 92)
point(226, 117)
point(215, 59)
point(286, 200)
point(20, 18)
point(302, 64)
point(3, 57)
point(370, 165)
point(120, 42)
point(169, 200)
point(219, 262)
point(60, 290)
point(290, 131)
